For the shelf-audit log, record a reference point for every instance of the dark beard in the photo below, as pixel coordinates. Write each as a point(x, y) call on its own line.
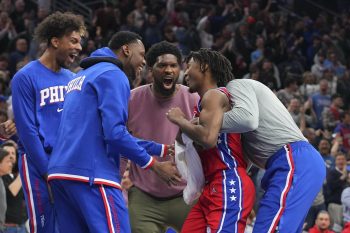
point(158, 87)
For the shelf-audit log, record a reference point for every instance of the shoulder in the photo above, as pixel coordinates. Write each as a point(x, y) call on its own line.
point(27, 71)
point(140, 91)
point(214, 97)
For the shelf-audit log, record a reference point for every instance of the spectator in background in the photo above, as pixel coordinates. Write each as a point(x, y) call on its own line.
point(258, 54)
point(322, 223)
point(336, 183)
point(5, 168)
point(16, 214)
point(298, 114)
point(309, 85)
point(333, 64)
point(269, 75)
point(318, 67)
point(7, 31)
point(150, 194)
point(319, 101)
point(20, 54)
point(289, 91)
point(324, 148)
point(331, 115)
point(343, 130)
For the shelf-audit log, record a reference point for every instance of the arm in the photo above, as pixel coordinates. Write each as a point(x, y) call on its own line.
point(210, 119)
point(113, 92)
point(23, 101)
point(153, 148)
point(15, 186)
point(244, 115)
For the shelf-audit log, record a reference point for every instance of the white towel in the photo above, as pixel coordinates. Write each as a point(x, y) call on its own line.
point(190, 167)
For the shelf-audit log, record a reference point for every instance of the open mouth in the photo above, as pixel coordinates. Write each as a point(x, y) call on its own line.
point(72, 57)
point(168, 82)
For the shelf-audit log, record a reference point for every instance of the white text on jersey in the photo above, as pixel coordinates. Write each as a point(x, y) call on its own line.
point(75, 84)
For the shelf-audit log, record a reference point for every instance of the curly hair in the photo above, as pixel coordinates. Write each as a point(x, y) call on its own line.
point(159, 49)
point(219, 66)
point(58, 25)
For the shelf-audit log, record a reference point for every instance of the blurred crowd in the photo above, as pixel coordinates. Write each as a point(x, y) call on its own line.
point(301, 53)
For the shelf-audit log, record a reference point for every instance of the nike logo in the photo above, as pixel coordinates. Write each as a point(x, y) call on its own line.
point(59, 109)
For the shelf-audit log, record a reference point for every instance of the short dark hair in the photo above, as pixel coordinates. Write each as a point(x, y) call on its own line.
point(58, 25)
point(9, 144)
point(122, 38)
point(218, 64)
point(162, 48)
point(3, 154)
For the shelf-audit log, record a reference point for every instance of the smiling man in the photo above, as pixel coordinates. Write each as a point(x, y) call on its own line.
point(84, 166)
point(150, 198)
point(38, 91)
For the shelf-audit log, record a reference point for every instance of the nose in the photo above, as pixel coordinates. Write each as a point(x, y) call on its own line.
point(78, 47)
point(168, 69)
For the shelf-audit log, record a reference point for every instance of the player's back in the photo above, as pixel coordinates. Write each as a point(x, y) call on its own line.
point(39, 90)
point(276, 127)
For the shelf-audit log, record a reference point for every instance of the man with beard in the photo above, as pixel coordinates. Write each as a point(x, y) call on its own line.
point(38, 91)
point(84, 165)
point(150, 199)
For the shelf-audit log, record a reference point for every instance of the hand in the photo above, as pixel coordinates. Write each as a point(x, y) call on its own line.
point(126, 182)
point(175, 115)
point(195, 121)
point(7, 129)
point(167, 171)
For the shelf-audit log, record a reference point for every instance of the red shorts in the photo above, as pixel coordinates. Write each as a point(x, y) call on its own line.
point(224, 205)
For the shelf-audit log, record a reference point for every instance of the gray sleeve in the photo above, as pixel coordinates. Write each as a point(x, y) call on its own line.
point(345, 197)
point(244, 115)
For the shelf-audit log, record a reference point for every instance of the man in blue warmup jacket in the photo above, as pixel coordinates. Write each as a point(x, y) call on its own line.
point(38, 91)
point(84, 166)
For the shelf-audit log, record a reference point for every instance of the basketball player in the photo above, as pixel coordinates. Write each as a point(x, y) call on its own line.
point(150, 198)
point(295, 171)
point(84, 167)
point(38, 91)
point(228, 194)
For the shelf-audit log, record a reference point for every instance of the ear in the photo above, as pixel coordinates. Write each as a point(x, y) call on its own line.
point(126, 50)
point(204, 68)
point(55, 42)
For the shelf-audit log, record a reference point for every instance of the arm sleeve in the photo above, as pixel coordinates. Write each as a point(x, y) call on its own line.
point(244, 115)
point(152, 147)
point(113, 93)
point(23, 102)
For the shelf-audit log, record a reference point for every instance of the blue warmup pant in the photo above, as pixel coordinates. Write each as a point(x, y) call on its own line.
point(82, 208)
point(294, 175)
point(39, 207)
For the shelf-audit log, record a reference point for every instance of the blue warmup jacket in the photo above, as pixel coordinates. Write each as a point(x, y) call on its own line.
point(37, 99)
point(93, 132)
